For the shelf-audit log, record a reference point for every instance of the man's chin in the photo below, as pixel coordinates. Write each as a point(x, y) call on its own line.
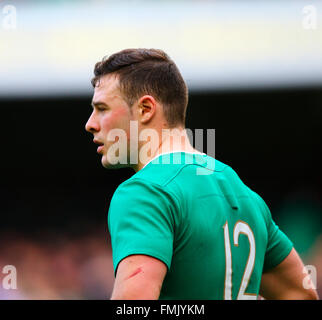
point(108, 165)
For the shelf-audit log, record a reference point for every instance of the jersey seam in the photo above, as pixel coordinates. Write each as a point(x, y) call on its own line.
point(178, 171)
point(192, 164)
point(181, 168)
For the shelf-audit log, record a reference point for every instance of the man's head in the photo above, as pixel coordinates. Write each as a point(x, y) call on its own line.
point(136, 84)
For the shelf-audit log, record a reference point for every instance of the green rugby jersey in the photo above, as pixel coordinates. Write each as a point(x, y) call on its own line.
point(193, 212)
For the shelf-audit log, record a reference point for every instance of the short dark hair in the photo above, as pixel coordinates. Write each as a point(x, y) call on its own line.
point(148, 71)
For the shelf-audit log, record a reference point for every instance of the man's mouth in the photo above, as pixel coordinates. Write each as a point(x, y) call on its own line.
point(100, 145)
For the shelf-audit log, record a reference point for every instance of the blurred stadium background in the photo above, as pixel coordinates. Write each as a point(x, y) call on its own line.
point(254, 71)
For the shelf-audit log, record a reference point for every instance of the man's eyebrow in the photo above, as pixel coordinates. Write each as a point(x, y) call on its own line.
point(98, 103)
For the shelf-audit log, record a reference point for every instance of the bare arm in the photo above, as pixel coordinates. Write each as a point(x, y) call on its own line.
point(139, 277)
point(285, 281)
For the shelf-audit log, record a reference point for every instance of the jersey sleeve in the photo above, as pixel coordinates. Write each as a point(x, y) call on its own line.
point(278, 244)
point(141, 221)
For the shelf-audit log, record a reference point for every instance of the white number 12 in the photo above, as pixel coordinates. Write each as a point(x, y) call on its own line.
point(240, 227)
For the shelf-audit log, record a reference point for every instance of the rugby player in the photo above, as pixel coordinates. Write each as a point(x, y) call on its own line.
point(180, 227)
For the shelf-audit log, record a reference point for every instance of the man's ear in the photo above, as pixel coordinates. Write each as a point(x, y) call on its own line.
point(147, 108)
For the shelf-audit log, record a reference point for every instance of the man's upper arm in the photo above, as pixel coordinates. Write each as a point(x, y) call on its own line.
point(141, 223)
point(278, 245)
point(139, 277)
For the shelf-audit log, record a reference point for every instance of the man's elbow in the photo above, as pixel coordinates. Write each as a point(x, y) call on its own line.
point(311, 295)
point(136, 291)
point(305, 294)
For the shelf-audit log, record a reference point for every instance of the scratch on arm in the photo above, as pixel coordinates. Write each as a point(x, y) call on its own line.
point(137, 271)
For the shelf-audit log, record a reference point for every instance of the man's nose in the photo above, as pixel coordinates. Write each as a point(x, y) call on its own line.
point(92, 124)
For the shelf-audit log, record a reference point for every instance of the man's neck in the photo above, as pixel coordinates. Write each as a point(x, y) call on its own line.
point(172, 140)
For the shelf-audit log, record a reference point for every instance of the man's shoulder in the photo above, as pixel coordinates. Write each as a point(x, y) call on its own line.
point(173, 176)
point(148, 180)
point(143, 190)
point(151, 179)
point(167, 167)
